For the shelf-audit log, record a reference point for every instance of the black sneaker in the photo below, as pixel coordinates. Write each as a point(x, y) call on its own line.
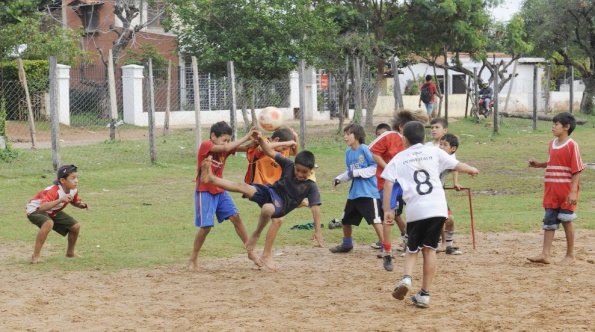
point(387, 262)
point(340, 249)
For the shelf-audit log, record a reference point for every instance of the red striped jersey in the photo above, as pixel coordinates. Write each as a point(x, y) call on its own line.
point(564, 160)
point(49, 194)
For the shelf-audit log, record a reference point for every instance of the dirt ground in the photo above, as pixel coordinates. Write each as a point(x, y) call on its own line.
point(491, 288)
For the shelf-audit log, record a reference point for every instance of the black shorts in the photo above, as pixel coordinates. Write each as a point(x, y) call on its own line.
point(363, 207)
point(424, 233)
point(265, 194)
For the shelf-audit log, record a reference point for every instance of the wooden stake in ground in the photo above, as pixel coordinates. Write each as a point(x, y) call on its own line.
point(23, 79)
point(168, 100)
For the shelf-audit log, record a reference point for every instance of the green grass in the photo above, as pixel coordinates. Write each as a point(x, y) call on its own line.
point(142, 215)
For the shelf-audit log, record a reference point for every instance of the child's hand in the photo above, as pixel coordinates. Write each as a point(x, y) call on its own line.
point(83, 205)
point(572, 198)
point(533, 163)
point(66, 198)
point(336, 182)
point(457, 187)
point(317, 236)
point(389, 216)
point(473, 172)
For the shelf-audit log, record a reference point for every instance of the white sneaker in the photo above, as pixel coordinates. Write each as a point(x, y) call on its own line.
point(402, 288)
point(422, 301)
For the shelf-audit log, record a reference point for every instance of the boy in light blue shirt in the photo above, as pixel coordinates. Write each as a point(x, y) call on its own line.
point(363, 200)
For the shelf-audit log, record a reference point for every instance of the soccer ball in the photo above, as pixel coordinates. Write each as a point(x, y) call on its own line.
point(270, 118)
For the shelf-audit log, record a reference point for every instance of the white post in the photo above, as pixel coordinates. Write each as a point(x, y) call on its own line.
point(294, 90)
point(63, 81)
point(132, 94)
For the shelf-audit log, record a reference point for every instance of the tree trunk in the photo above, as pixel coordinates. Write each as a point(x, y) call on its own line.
point(587, 103)
point(374, 95)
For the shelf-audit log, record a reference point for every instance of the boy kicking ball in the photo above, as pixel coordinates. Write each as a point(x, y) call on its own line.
point(417, 170)
point(278, 199)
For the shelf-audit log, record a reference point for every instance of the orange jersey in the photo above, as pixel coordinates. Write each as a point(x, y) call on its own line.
point(262, 169)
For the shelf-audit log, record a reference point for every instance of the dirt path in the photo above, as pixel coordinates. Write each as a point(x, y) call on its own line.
point(493, 288)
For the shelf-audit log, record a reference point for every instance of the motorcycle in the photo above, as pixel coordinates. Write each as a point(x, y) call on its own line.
point(482, 110)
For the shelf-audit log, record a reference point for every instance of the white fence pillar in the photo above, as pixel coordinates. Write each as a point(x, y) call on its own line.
point(63, 82)
point(132, 95)
point(294, 90)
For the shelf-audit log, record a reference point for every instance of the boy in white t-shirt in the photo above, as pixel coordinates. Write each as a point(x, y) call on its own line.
point(417, 169)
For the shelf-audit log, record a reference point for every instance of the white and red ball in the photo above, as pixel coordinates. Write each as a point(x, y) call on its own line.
point(270, 118)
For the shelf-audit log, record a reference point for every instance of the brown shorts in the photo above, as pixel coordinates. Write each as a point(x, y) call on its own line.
point(62, 221)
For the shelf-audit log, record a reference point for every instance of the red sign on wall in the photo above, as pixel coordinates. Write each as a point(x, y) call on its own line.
point(323, 81)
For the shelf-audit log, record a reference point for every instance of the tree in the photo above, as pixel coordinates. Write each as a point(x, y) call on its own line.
point(565, 28)
point(264, 39)
point(41, 41)
point(15, 11)
point(434, 28)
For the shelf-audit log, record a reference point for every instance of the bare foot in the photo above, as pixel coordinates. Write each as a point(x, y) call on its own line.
point(73, 255)
point(35, 260)
point(268, 262)
point(568, 260)
point(539, 259)
point(254, 258)
point(205, 170)
point(192, 266)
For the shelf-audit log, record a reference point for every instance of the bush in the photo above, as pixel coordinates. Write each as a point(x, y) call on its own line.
point(37, 71)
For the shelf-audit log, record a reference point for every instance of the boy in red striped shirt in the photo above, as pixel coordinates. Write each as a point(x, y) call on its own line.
point(561, 187)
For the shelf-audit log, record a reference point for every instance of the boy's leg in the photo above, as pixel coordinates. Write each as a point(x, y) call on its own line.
point(378, 228)
point(569, 230)
point(266, 212)
point(73, 235)
point(267, 252)
point(201, 235)
point(429, 268)
point(207, 177)
point(239, 227)
point(42, 235)
point(544, 258)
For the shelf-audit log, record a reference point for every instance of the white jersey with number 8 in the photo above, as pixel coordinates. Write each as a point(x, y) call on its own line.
point(417, 169)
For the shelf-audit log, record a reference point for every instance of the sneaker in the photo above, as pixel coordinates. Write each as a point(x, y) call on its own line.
point(422, 301)
point(402, 288)
point(382, 254)
point(387, 262)
point(453, 251)
point(376, 245)
point(340, 249)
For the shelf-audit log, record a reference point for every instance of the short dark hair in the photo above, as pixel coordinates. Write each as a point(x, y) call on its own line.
point(64, 171)
point(428, 77)
point(221, 128)
point(305, 158)
point(451, 139)
point(358, 132)
point(414, 132)
point(285, 134)
point(441, 121)
point(383, 125)
point(564, 119)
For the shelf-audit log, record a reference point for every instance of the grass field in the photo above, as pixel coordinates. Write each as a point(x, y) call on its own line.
point(142, 215)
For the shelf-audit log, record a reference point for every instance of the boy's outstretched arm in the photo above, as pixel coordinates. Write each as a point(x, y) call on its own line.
point(266, 146)
point(235, 145)
point(536, 164)
point(462, 167)
point(317, 227)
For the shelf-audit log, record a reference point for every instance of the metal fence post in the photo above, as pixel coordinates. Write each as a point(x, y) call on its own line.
point(302, 69)
point(232, 109)
point(152, 150)
point(196, 102)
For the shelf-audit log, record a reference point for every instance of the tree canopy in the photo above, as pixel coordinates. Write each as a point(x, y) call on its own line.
point(265, 39)
point(564, 31)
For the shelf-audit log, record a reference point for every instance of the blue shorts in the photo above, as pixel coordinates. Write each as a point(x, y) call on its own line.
point(265, 194)
point(207, 206)
point(396, 198)
point(553, 218)
point(429, 108)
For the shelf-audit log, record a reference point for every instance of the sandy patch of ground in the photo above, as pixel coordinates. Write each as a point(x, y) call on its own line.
point(492, 288)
